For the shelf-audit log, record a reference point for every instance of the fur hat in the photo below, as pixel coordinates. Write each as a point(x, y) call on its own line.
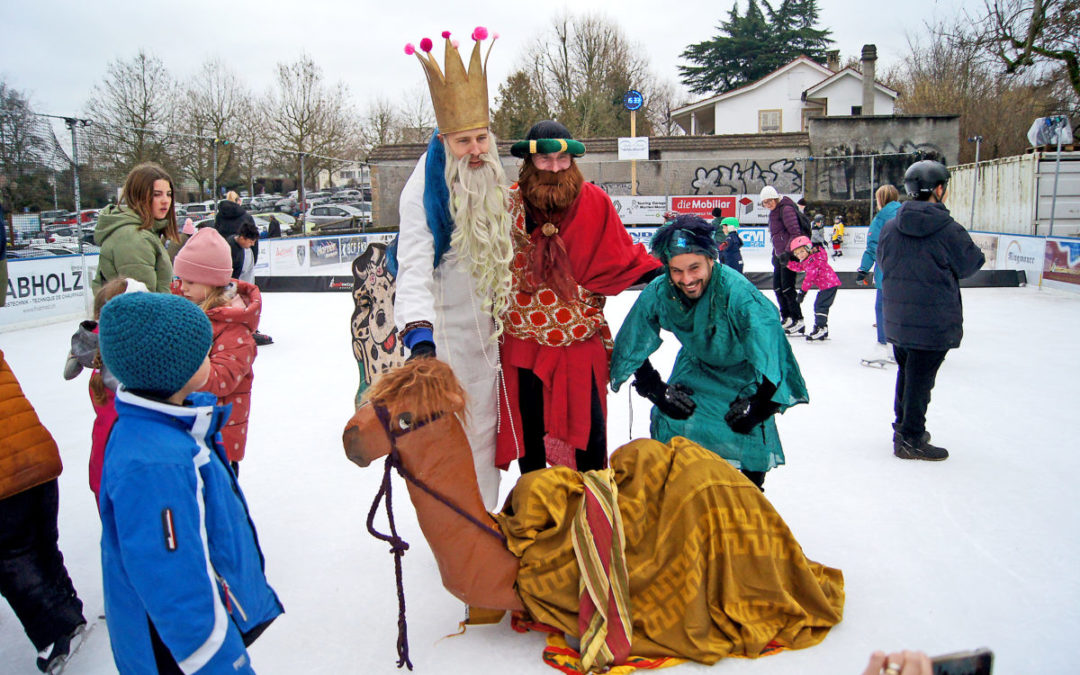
point(686, 234)
point(152, 342)
point(205, 259)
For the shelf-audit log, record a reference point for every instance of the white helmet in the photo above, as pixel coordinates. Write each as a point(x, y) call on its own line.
point(769, 192)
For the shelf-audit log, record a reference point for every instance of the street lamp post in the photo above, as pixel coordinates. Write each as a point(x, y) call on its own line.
point(977, 140)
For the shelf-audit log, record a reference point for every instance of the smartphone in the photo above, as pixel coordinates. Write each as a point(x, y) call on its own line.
point(975, 662)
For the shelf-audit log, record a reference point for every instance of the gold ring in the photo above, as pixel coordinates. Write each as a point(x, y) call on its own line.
point(892, 668)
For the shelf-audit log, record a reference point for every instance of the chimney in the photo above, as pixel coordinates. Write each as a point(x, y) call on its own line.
point(832, 60)
point(869, 57)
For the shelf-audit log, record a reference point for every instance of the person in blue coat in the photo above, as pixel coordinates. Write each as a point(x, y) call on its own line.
point(185, 589)
point(923, 254)
point(735, 370)
point(888, 201)
point(729, 242)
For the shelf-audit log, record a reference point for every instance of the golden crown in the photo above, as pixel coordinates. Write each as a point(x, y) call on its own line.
point(460, 98)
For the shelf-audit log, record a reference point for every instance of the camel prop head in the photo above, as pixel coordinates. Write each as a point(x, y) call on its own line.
point(412, 394)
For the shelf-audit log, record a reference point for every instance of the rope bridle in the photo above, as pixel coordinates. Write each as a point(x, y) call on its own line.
point(398, 546)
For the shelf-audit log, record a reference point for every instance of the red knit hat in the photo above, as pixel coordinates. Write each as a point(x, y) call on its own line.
point(205, 259)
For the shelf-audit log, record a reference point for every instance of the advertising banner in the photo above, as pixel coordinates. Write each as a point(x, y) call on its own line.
point(640, 210)
point(1020, 252)
point(262, 265)
point(1061, 263)
point(324, 251)
point(633, 147)
point(746, 207)
point(44, 288)
point(988, 244)
point(288, 256)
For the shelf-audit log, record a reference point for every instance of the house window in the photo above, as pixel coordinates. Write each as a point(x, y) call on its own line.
point(856, 110)
point(769, 121)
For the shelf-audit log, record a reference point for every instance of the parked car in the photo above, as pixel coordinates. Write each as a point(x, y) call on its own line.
point(286, 221)
point(69, 232)
point(88, 216)
point(197, 209)
point(50, 217)
point(318, 218)
point(346, 196)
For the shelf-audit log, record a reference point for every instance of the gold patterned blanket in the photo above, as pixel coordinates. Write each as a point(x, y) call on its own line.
point(714, 570)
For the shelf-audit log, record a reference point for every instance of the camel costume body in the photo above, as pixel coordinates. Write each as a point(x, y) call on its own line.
point(711, 569)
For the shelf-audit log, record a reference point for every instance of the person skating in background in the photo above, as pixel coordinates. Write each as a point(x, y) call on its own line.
point(817, 230)
point(84, 353)
point(204, 268)
point(805, 257)
point(273, 228)
point(33, 578)
point(783, 227)
point(923, 254)
point(888, 202)
point(244, 248)
point(184, 579)
point(838, 236)
point(729, 243)
point(735, 369)
point(230, 214)
point(130, 234)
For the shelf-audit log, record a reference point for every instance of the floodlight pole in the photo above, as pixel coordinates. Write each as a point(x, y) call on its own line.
point(73, 123)
point(977, 140)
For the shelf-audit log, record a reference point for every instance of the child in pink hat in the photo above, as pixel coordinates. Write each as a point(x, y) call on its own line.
point(204, 268)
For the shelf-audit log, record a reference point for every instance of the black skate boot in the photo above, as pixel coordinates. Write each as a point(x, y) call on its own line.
point(796, 328)
point(920, 448)
point(819, 333)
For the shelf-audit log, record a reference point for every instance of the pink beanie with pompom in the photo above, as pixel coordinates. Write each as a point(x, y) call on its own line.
point(205, 259)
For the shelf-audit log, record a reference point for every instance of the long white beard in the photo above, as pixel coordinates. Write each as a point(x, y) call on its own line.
point(481, 238)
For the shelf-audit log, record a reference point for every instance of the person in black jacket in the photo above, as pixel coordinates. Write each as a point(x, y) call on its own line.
point(923, 254)
point(244, 246)
point(230, 214)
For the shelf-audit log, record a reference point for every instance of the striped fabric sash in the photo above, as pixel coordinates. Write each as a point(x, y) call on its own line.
point(604, 619)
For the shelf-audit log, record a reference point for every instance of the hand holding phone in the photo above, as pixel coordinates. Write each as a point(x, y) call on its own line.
point(975, 662)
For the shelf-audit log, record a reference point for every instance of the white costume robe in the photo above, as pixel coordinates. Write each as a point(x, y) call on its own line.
point(445, 297)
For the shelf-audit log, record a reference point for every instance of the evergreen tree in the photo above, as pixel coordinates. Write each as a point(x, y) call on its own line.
point(752, 45)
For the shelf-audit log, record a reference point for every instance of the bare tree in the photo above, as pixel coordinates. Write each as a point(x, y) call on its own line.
point(214, 101)
point(417, 117)
point(24, 145)
point(131, 108)
point(661, 99)
point(380, 126)
point(306, 116)
point(249, 150)
point(947, 73)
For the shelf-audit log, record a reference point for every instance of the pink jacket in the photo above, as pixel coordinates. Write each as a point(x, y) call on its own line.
point(819, 273)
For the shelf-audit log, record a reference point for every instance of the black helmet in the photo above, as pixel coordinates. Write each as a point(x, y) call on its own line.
point(922, 177)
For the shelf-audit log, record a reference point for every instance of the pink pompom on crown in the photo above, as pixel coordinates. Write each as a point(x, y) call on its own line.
point(445, 34)
point(455, 43)
point(409, 49)
point(425, 44)
point(479, 33)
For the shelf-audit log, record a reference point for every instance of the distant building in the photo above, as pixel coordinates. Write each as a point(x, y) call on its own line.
point(784, 100)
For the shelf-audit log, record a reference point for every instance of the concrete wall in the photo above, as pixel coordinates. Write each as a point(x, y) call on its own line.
point(895, 140)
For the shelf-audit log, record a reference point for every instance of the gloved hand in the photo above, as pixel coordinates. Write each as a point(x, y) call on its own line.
point(800, 296)
point(722, 245)
point(674, 401)
point(861, 278)
point(422, 350)
point(747, 412)
point(784, 258)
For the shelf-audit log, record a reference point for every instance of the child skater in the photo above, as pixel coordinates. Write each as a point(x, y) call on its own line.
point(838, 236)
point(184, 581)
point(85, 354)
point(812, 260)
point(728, 242)
point(204, 267)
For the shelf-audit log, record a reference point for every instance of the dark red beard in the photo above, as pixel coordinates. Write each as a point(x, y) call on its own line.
point(549, 193)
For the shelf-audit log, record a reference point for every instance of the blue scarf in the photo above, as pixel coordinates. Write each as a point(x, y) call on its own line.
point(436, 204)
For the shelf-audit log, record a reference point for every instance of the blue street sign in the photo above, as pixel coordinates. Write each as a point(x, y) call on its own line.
point(633, 100)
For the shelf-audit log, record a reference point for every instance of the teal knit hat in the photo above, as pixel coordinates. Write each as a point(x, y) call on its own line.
point(153, 342)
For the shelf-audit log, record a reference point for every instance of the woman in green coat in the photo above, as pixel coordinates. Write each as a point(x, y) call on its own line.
point(735, 369)
point(130, 234)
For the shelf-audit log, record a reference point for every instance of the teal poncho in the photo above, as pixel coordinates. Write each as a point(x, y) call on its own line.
point(731, 338)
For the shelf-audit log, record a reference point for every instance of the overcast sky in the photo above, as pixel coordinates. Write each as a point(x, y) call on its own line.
point(56, 51)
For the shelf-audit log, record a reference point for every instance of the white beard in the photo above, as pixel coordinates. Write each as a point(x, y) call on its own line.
point(481, 238)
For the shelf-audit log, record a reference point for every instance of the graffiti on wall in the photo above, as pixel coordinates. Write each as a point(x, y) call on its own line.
point(842, 176)
point(747, 178)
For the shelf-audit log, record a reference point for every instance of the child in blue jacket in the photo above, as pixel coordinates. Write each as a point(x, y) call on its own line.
point(183, 575)
point(728, 241)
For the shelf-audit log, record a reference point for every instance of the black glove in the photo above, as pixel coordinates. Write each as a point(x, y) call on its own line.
point(860, 278)
point(747, 412)
point(784, 258)
point(674, 401)
point(424, 349)
point(800, 296)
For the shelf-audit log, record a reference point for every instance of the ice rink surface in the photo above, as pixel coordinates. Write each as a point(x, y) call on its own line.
point(973, 551)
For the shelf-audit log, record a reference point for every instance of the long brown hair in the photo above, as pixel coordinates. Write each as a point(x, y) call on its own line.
point(138, 194)
point(886, 194)
point(118, 286)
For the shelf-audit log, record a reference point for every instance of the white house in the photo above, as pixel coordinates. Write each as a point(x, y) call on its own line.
point(786, 98)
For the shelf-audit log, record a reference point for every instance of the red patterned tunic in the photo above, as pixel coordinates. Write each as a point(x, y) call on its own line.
point(566, 344)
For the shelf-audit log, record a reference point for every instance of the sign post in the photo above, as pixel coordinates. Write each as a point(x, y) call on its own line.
point(633, 100)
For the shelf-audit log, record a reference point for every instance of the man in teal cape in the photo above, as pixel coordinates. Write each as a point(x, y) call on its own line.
point(735, 369)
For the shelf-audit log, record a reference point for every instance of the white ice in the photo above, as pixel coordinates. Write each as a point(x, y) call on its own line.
point(973, 551)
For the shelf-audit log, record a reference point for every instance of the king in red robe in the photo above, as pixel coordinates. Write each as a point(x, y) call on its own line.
point(571, 250)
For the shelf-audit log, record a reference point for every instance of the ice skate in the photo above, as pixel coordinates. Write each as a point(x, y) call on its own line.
point(53, 658)
point(818, 334)
point(796, 328)
point(919, 449)
point(881, 357)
